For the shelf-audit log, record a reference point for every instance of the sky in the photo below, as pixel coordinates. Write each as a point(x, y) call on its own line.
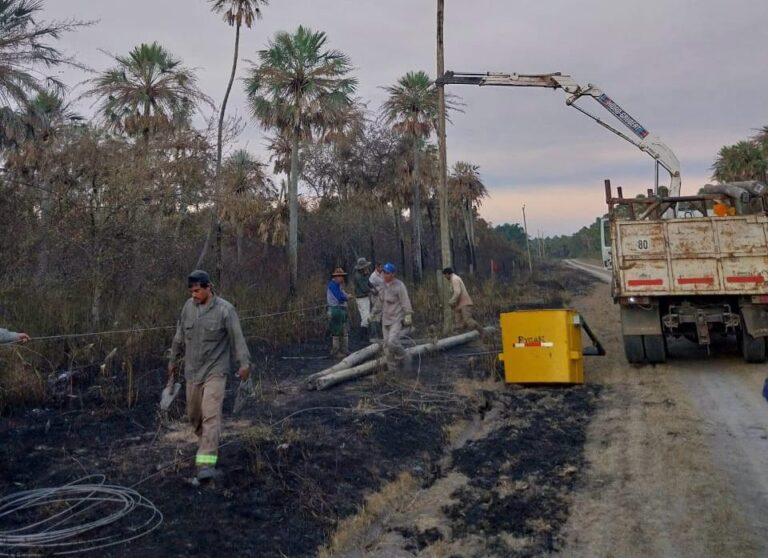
point(691, 71)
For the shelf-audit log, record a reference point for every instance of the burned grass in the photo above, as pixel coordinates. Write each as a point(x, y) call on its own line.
point(521, 473)
point(302, 469)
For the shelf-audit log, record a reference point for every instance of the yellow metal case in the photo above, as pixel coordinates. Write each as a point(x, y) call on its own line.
point(542, 346)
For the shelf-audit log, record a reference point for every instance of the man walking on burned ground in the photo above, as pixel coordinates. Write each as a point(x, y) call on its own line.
point(207, 336)
point(394, 307)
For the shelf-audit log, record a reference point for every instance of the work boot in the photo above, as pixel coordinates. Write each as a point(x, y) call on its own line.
point(335, 343)
point(344, 349)
point(206, 473)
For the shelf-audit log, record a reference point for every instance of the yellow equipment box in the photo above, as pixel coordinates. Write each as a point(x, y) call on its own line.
point(542, 346)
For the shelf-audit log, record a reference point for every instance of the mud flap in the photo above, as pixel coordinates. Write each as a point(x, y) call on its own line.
point(637, 320)
point(755, 320)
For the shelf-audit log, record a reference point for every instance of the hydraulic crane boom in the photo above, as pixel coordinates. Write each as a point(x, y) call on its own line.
point(647, 142)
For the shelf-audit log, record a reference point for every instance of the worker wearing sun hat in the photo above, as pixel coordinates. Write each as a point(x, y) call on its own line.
point(394, 306)
point(336, 299)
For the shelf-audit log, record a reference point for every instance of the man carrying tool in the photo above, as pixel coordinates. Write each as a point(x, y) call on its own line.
point(336, 299)
point(207, 334)
point(362, 293)
point(394, 306)
point(461, 303)
point(7, 337)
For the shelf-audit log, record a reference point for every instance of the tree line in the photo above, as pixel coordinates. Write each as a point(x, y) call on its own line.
point(104, 214)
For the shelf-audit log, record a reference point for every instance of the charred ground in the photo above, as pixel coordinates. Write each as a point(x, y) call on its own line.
point(295, 463)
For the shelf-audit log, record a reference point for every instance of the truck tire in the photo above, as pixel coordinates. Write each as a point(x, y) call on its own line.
point(753, 349)
point(655, 348)
point(633, 349)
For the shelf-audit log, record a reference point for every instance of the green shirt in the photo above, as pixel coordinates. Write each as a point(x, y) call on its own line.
point(362, 288)
point(207, 336)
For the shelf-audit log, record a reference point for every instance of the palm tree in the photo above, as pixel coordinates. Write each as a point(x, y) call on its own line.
point(246, 192)
point(28, 135)
point(24, 50)
point(299, 88)
point(412, 108)
point(743, 161)
point(467, 191)
point(34, 125)
point(146, 91)
point(761, 140)
point(236, 13)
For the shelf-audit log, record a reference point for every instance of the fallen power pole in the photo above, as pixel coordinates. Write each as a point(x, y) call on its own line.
point(330, 379)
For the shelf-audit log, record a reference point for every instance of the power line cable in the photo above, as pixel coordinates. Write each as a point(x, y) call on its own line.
point(159, 328)
point(70, 519)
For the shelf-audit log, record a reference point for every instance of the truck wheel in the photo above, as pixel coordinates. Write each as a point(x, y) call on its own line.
point(655, 348)
point(633, 349)
point(753, 349)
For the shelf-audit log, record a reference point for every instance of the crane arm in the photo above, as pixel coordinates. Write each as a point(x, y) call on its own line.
point(645, 141)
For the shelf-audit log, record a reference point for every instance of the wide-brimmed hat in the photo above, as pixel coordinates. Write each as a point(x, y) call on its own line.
point(338, 272)
point(362, 263)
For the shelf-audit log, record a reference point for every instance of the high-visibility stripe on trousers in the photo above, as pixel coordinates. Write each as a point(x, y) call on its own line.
point(204, 407)
point(206, 459)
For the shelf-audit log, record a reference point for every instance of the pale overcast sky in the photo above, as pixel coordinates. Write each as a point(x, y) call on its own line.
point(691, 71)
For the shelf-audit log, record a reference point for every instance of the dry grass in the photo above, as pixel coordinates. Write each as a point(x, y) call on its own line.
point(358, 531)
point(131, 355)
point(20, 384)
point(256, 439)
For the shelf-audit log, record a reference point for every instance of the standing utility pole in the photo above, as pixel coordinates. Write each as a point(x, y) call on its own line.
point(527, 242)
point(445, 233)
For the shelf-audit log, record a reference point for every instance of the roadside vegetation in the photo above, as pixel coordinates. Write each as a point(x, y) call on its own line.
point(104, 214)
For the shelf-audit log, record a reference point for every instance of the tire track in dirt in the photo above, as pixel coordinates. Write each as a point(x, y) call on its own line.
point(654, 485)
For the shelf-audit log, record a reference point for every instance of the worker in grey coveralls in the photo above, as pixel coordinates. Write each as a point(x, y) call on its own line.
point(12, 337)
point(396, 312)
point(207, 334)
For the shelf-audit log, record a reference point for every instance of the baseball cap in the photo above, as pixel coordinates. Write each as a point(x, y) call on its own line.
point(198, 277)
point(390, 267)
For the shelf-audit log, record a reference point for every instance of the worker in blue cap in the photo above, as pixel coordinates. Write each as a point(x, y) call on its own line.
point(394, 307)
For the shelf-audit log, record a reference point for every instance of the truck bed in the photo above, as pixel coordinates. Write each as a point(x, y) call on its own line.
point(699, 255)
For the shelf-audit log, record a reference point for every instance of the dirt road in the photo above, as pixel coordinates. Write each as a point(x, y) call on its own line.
point(677, 453)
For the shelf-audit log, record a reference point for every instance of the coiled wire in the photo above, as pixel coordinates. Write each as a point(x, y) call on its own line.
point(44, 521)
